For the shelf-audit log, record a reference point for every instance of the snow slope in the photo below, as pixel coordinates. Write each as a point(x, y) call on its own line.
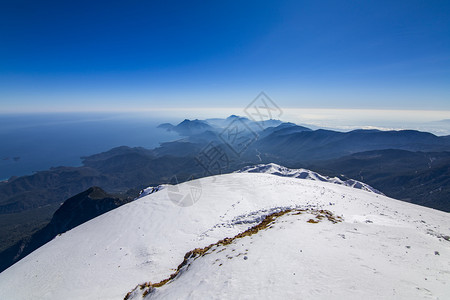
point(306, 174)
point(383, 248)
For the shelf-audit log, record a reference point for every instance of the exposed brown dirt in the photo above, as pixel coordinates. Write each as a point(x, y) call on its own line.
point(264, 224)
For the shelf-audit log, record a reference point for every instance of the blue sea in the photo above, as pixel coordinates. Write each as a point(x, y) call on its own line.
point(36, 142)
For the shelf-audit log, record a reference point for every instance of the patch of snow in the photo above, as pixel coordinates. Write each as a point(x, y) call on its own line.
point(278, 170)
point(150, 190)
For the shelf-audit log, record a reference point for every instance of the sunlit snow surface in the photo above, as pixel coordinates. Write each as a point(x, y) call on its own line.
point(384, 248)
point(306, 174)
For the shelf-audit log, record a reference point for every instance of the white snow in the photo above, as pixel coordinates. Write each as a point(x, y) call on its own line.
point(306, 174)
point(151, 189)
point(384, 248)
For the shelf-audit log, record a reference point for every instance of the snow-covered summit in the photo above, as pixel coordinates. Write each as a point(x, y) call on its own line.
point(275, 169)
point(248, 236)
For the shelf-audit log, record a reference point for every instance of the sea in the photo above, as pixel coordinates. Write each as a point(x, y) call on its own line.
point(37, 142)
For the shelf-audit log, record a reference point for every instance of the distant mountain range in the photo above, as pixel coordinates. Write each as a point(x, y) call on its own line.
point(320, 144)
point(409, 165)
point(187, 127)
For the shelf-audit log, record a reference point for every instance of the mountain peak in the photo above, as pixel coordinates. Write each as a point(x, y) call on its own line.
point(249, 234)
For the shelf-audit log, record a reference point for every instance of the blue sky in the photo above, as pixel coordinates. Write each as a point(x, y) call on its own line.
point(116, 55)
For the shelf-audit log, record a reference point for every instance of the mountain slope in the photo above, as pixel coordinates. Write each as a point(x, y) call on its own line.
point(75, 211)
point(382, 248)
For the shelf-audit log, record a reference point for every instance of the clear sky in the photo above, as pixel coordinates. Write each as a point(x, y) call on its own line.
point(125, 55)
